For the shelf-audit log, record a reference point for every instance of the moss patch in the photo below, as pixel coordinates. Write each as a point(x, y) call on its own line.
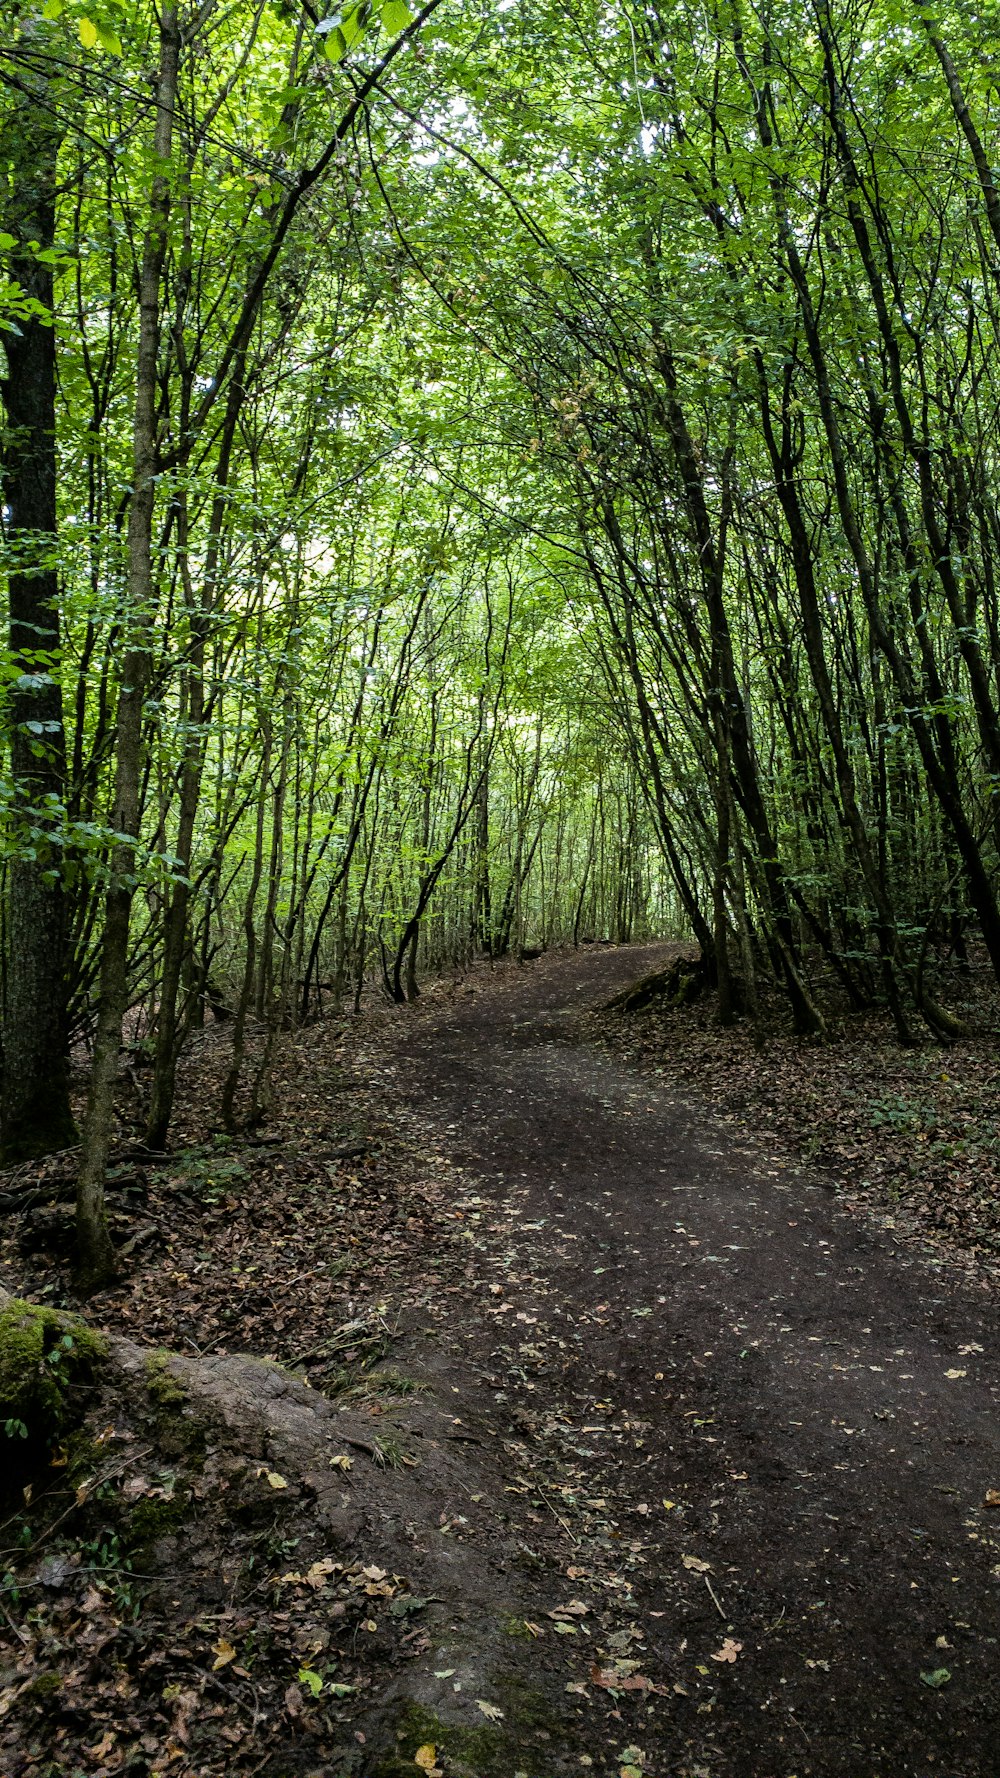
point(47, 1362)
point(179, 1433)
point(43, 1688)
point(487, 1750)
point(471, 1753)
point(163, 1384)
point(149, 1520)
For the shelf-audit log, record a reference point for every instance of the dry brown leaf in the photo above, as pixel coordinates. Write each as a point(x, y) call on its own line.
point(728, 1651)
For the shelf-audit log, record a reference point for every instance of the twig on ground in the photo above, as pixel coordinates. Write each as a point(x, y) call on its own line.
point(715, 1599)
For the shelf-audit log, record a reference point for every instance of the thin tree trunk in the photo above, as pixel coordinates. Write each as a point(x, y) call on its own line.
point(94, 1259)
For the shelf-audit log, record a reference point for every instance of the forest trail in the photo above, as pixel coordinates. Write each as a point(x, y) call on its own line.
point(749, 1379)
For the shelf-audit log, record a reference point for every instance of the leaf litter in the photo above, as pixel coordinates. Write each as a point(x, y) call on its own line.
point(408, 1240)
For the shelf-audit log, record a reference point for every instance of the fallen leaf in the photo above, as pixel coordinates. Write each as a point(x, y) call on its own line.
point(308, 1676)
point(953, 1373)
point(274, 1480)
point(992, 1497)
point(728, 1651)
point(407, 1604)
point(605, 1677)
point(224, 1652)
point(426, 1757)
point(936, 1679)
point(341, 1462)
point(490, 1711)
point(696, 1564)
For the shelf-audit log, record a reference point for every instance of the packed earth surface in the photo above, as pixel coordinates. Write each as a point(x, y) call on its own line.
point(645, 1451)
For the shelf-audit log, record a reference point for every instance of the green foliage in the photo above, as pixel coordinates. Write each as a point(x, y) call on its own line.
point(523, 596)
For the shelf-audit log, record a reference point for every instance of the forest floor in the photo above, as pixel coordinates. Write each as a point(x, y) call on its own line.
point(632, 1442)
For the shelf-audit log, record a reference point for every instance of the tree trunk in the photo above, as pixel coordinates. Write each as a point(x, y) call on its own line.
point(36, 1116)
point(95, 1261)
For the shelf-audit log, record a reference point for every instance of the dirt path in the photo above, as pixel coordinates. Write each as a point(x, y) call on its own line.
point(743, 1376)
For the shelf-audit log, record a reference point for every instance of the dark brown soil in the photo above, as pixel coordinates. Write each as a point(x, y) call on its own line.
point(793, 1422)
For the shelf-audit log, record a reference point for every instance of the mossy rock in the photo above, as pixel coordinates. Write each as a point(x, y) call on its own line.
point(47, 1363)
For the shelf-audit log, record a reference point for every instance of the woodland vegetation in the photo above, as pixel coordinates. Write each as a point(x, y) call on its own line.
point(497, 477)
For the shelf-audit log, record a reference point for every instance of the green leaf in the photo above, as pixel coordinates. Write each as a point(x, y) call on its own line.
point(88, 33)
point(308, 1676)
point(53, 9)
point(939, 1677)
point(7, 242)
point(395, 16)
point(336, 45)
point(407, 1603)
point(109, 40)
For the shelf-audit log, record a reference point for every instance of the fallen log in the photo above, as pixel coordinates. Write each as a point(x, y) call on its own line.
point(681, 982)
